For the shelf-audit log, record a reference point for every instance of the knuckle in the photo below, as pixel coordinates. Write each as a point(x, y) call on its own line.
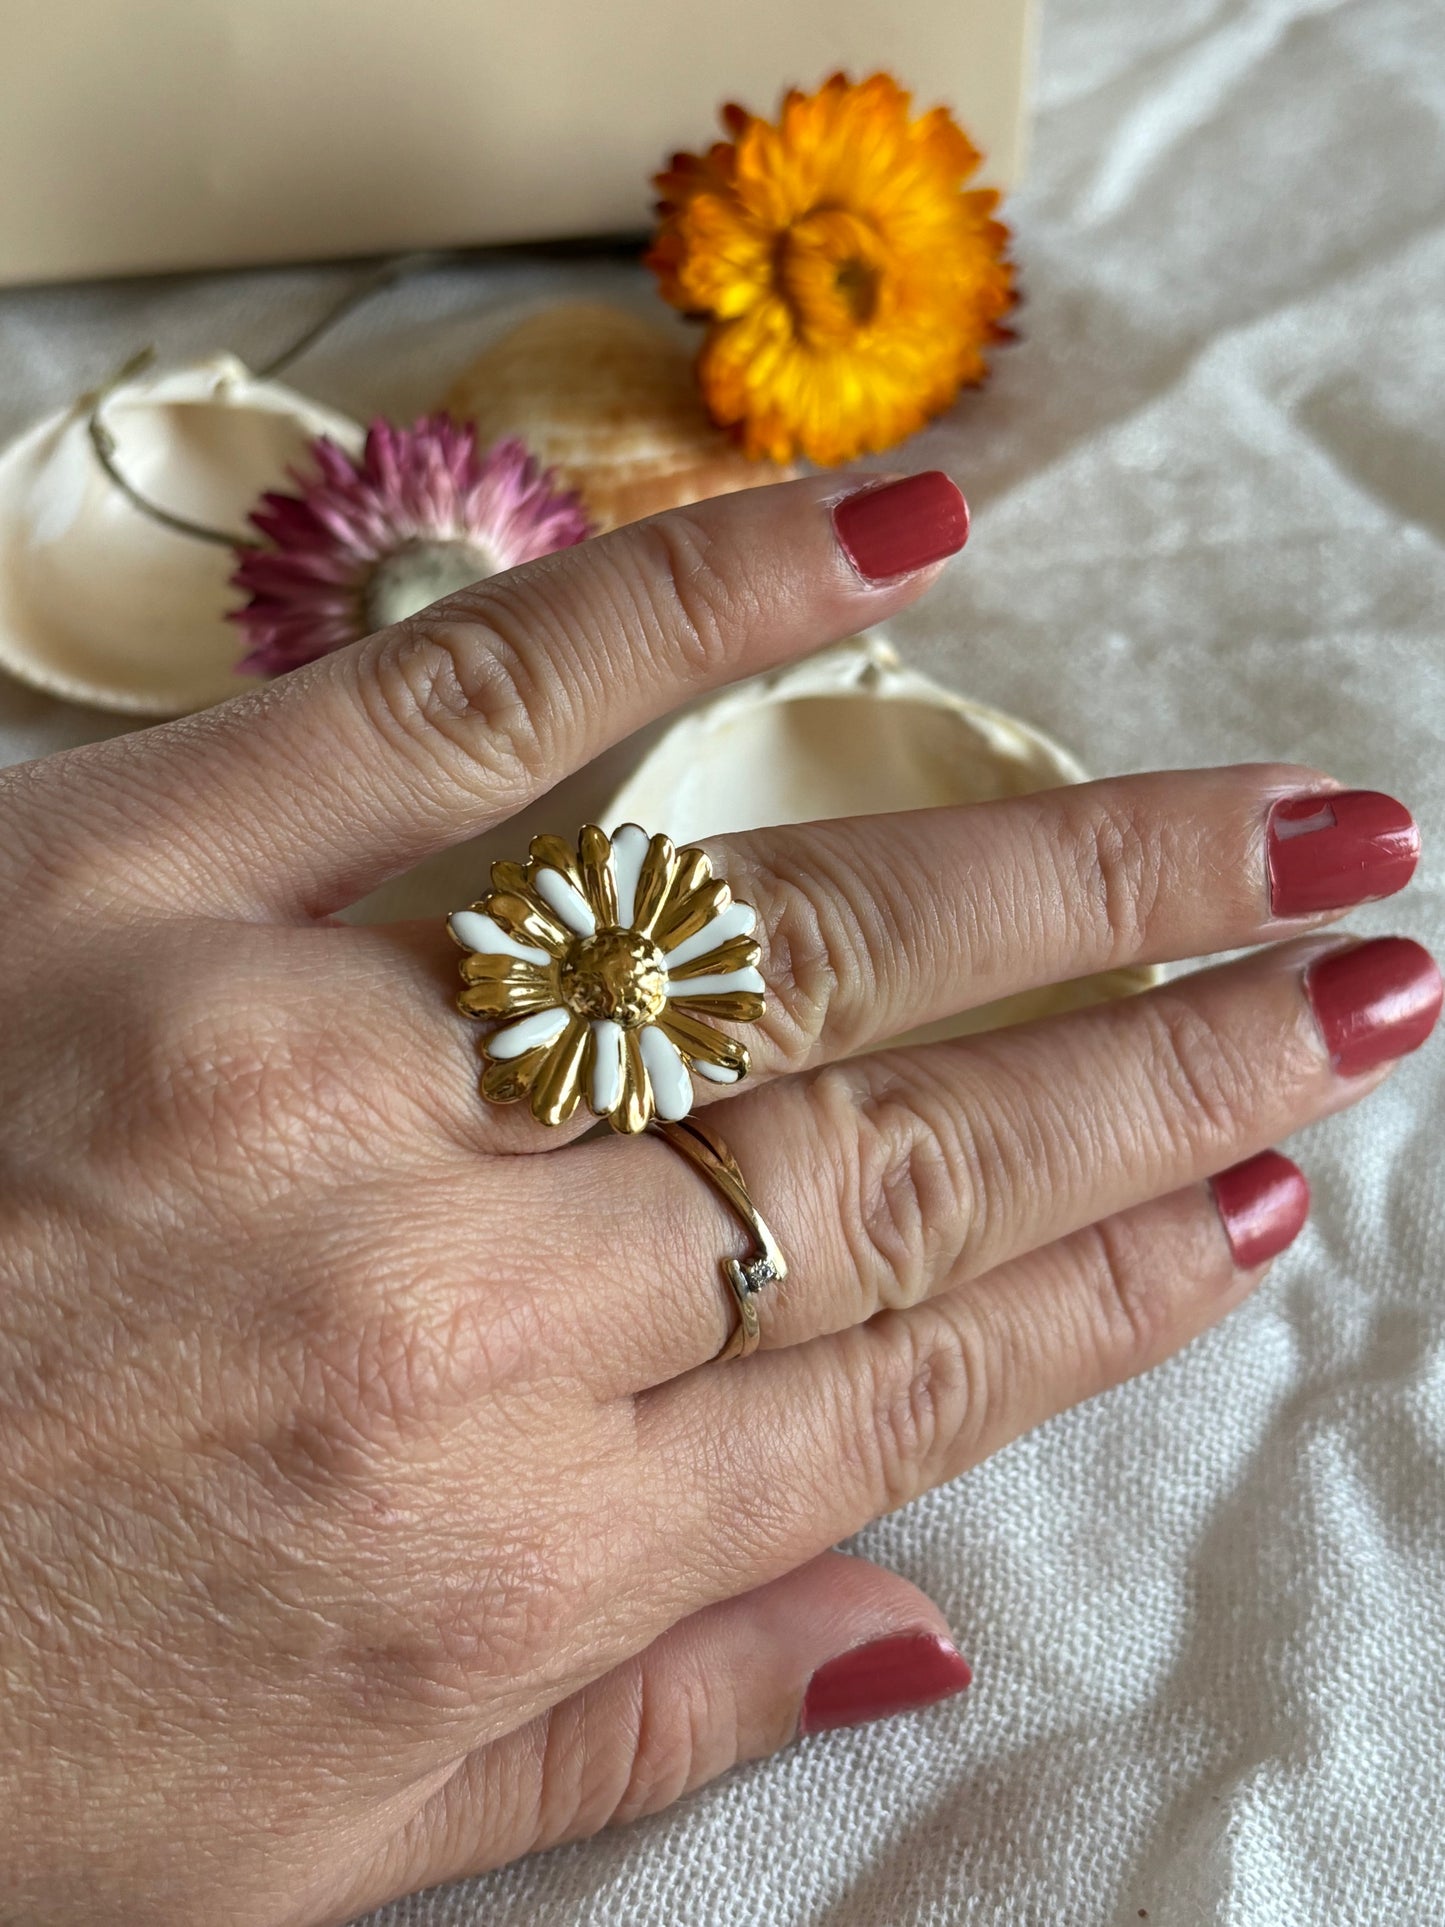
point(352, 1443)
point(907, 1185)
point(460, 688)
point(259, 1095)
point(924, 1397)
point(671, 1741)
point(701, 599)
point(818, 965)
point(502, 1625)
point(1118, 880)
point(485, 1626)
point(54, 869)
point(1129, 1323)
point(1205, 1081)
point(377, 1359)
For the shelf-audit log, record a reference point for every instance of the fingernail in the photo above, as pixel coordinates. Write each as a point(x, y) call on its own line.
point(1374, 1001)
point(896, 527)
point(887, 1676)
point(1329, 851)
point(1263, 1204)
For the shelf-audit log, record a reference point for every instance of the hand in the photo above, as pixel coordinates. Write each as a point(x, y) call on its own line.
point(370, 1509)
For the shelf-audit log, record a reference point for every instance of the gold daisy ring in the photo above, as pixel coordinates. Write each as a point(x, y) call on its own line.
point(601, 970)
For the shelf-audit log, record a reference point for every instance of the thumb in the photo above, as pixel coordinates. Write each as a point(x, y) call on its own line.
point(835, 1643)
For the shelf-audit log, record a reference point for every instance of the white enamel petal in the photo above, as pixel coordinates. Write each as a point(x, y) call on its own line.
point(671, 1085)
point(485, 935)
point(738, 920)
point(716, 1073)
point(542, 1027)
point(629, 847)
point(607, 1047)
point(566, 902)
point(716, 986)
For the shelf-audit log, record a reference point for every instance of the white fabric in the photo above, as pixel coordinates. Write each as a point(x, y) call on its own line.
point(1208, 1612)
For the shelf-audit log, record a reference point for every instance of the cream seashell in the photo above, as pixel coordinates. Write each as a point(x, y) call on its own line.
point(611, 402)
point(98, 602)
point(852, 731)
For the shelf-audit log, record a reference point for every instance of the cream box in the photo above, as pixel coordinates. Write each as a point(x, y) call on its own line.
point(140, 135)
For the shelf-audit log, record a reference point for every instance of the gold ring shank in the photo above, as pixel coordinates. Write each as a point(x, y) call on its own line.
point(745, 1277)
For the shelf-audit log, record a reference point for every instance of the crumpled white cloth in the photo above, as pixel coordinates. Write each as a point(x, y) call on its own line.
point(1207, 1612)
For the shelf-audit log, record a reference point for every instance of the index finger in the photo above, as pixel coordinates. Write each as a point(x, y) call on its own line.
point(305, 796)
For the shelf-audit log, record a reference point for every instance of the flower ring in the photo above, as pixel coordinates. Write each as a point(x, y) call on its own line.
point(600, 969)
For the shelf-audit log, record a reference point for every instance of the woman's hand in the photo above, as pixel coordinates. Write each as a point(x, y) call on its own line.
point(370, 1509)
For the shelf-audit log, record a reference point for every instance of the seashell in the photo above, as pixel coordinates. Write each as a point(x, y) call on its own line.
point(611, 402)
point(98, 602)
point(852, 731)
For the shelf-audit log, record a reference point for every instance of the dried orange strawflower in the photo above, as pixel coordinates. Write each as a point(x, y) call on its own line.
point(850, 283)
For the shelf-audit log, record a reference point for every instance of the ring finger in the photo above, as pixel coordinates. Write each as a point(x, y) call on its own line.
point(902, 1174)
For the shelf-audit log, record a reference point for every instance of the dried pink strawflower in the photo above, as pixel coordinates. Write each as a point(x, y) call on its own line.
point(366, 542)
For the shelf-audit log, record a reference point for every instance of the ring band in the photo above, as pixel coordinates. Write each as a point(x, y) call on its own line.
point(745, 1277)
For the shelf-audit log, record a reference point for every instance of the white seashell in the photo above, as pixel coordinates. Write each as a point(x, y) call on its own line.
point(850, 731)
point(98, 602)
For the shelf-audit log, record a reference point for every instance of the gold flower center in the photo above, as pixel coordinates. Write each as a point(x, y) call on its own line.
point(830, 266)
point(615, 974)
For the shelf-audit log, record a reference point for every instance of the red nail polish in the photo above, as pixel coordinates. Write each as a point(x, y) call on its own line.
point(1327, 852)
point(895, 528)
point(1263, 1204)
point(1374, 1001)
point(895, 1675)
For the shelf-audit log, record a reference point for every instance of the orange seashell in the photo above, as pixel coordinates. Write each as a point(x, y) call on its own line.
point(610, 401)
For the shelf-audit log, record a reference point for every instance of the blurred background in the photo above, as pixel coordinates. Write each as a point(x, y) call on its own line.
point(1206, 1613)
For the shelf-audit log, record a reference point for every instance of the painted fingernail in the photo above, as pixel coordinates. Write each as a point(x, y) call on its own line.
point(1263, 1204)
point(887, 1676)
point(1329, 851)
point(897, 527)
point(1374, 1001)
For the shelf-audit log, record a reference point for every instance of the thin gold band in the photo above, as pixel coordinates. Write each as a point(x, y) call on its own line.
point(745, 1277)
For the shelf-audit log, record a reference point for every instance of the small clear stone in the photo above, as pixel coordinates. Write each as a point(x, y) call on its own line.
point(757, 1272)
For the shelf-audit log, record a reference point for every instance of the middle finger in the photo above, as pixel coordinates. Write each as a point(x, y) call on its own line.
point(878, 925)
point(874, 926)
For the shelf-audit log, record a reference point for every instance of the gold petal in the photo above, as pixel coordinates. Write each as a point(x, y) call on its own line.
point(687, 915)
point(548, 852)
point(506, 1079)
point(559, 1088)
point(739, 953)
point(506, 989)
point(654, 886)
point(480, 910)
point(731, 1007)
point(599, 886)
point(698, 1040)
point(694, 872)
point(694, 869)
point(633, 1111)
point(521, 915)
point(508, 876)
point(493, 966)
